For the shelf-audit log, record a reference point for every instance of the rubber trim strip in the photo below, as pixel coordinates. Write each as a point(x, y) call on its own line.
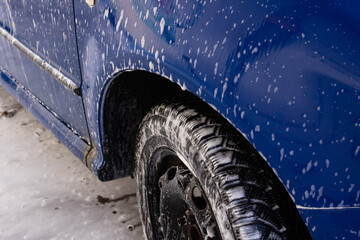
point(70, 85)
point(326, 208)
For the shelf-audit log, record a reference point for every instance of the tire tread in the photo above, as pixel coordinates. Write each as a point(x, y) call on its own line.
point(241, 181)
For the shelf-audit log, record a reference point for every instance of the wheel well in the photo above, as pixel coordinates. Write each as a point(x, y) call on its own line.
point(128, 98)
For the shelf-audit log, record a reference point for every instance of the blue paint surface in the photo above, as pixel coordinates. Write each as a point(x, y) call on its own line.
point(285, 73)
point(48, 29)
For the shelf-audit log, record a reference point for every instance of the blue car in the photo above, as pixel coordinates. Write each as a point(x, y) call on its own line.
point(238, 119)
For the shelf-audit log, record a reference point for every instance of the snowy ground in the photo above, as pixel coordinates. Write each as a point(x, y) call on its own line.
point(47, 193)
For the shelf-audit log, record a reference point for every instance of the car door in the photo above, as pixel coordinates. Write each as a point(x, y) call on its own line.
point(47, 29)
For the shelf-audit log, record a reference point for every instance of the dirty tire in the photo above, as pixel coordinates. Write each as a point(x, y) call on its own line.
point(237, 192)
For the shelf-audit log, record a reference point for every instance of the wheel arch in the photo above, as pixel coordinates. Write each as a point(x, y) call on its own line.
point(126, 100)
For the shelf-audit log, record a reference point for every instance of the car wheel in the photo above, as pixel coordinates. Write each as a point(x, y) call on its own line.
point(196, 178)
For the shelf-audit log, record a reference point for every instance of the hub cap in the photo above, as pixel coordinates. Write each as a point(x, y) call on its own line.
point(183, 209)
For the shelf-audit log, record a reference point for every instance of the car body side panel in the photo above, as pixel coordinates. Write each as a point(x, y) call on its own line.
point(48, 30)
point(285, 74)
point(332, 223)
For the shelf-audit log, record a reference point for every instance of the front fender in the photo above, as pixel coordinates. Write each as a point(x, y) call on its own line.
point(282, 74)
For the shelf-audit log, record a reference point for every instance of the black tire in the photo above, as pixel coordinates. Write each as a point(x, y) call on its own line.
point(176, 142)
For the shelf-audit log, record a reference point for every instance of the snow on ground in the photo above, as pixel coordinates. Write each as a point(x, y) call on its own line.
point(47, 193)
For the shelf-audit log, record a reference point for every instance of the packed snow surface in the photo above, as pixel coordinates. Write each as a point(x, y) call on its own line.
point(47, 193)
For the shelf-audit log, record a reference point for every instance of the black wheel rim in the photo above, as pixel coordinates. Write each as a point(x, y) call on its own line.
point(179, 209)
